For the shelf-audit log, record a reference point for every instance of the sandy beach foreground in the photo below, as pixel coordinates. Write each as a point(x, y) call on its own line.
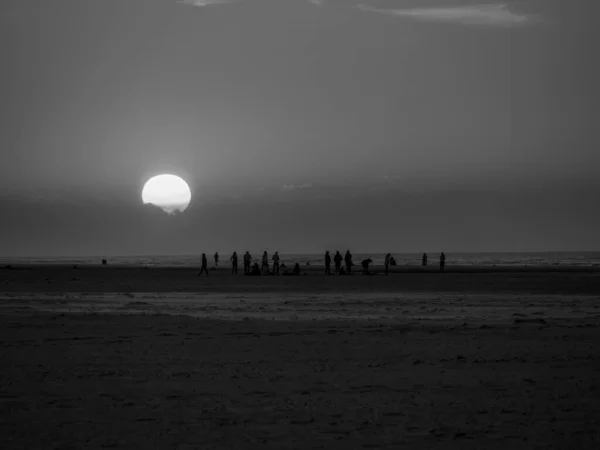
point(161, 359)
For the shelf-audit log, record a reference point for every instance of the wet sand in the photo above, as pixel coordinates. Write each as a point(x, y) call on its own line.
point(159, 358)
point(90, 278)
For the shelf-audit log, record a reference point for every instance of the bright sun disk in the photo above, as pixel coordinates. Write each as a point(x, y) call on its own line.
point(169, 192)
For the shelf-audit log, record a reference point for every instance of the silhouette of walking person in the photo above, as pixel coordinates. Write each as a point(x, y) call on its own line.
point(276, 263)
point(234, 263)
point(216, 259)
point(247, 261)
point(327, 263)
point(442, 261)
point(386, 263)
point(337, 259)
point(264, 268)
point(204, 267)
point(348, 261)
point(424, 259)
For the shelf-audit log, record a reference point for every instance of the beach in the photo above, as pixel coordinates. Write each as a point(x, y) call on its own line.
point(134, 357)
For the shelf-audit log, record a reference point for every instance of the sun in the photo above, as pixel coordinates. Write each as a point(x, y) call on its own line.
point(169, 192)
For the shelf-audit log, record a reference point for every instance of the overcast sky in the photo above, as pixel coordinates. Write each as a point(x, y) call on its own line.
point(304, 108)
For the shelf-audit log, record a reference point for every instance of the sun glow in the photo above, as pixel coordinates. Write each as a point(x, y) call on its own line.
point(169, 192)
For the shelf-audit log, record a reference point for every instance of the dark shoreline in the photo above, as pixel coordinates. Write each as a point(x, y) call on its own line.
point(95, 278)
point(318, 269)
point(462, 359)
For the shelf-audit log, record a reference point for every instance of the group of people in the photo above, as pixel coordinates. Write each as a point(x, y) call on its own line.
point(442, 260)
point(252, 269)
point(265, 268)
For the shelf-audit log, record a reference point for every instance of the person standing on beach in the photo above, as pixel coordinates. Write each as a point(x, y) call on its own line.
point(204, 267)
point(216, 259)
point(327, 263)
point(233, 260)
point(442, 261)
point(276, 263)
point(424, 259)
point(337, 259)
point(348, 261)
point(265, 263)
point(386, 263)
point(247, 261)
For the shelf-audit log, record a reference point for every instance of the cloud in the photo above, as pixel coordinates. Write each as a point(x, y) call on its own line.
point(201, 3)
point(77, 223)
point(293, 187)
point(484, 15)
point(316, 2)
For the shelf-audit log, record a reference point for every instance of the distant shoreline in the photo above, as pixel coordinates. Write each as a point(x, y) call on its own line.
point(319, 269)
point(405, 261)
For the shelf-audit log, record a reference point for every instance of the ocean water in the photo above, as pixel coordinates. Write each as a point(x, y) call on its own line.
point(402, 259)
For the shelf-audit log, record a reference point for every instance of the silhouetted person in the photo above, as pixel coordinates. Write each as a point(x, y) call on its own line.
point(247, 261)
point(104, 262)
point(442, 261)
point(204, 267)
point(392, 261)
point(337, 259)
point(216, 259)
point(424, 259)
point(234, 263)
point(348, 261)
point(327, 263)
point(386, 263)
point(276, 263)
point(365, 265)
point(295, 271)
point(255, 270)
point(264, 268)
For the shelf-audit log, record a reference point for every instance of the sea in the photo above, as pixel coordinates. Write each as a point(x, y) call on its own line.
point(590, 259)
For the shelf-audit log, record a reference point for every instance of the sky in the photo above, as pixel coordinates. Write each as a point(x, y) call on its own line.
point(406, 125)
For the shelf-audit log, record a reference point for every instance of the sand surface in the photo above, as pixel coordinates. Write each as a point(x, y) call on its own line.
point(161, 359)
point(541, 279)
